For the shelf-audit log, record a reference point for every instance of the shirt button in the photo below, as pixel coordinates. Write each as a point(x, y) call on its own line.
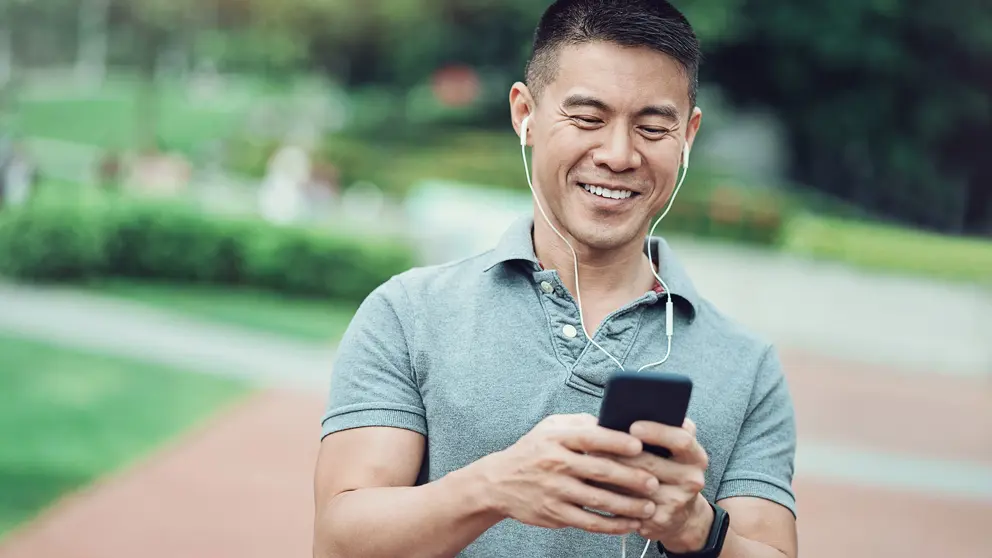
point(546, 287)
point(569, 331)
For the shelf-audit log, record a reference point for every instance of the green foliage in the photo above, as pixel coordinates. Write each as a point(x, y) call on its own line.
point(729, 213)
point(65, 242)
point(886, 102)
point(891, 249)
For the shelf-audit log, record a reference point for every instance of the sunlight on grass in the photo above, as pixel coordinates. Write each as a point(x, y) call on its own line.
point(305, 319)
point(68, 417)
point(893, 249)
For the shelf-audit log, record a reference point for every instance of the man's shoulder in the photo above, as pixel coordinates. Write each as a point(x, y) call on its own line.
point(729, 335)
point(447, 281)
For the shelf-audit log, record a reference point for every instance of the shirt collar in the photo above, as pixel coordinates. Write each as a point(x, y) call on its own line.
point(517, 244)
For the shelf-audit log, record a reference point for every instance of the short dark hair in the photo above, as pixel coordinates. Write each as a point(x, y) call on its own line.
point(654, 24)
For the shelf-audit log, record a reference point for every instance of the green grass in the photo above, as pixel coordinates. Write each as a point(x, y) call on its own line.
point(304, 319)
point(891, 249)
point(68, 417)
point(108, 119)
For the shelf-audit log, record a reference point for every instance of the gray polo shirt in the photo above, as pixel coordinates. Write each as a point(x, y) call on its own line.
point(474, 353)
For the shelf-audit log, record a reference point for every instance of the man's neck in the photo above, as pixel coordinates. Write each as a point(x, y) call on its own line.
point(620, 274)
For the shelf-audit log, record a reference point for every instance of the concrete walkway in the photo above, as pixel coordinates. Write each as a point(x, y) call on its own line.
point(117, 327)
point(913, 324)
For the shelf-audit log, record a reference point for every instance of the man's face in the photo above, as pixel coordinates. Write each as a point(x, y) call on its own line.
point(613, 121)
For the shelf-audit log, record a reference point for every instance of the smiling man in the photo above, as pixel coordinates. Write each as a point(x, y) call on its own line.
point(461, 419)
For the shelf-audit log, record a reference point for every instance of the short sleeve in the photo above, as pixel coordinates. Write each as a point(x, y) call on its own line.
point(372, 379)
point(762, 463)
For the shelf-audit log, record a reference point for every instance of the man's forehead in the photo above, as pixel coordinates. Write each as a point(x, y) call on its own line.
point(616, 75)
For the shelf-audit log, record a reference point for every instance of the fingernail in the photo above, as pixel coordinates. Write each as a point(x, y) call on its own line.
point(653, 484)
point(649, 508)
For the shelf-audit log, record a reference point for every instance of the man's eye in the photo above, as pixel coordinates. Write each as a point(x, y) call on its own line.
point(655, 131)
point(586, 119)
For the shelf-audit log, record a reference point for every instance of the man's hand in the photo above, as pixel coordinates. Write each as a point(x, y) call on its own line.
point(543, 479)
point(682, 519)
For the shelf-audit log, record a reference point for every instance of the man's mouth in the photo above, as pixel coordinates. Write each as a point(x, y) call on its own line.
point(608, 193)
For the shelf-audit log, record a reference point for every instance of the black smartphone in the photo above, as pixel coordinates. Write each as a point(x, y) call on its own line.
point(632, 396)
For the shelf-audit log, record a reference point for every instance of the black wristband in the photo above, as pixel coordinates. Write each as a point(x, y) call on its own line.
point(714, 542)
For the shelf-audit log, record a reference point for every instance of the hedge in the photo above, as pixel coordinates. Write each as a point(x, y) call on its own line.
point(63, 242)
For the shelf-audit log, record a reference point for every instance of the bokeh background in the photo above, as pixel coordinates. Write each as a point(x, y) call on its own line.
point(195, 196)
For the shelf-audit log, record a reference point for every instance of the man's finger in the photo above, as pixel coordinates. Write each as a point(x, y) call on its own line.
point(579, 518)
point(667, 471)
point(597, 439)
point(679, 441)
point(689, 426)
point(606, 471)
point(599, 499)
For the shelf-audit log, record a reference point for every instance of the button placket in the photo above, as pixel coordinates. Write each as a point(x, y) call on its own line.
point(563, 317)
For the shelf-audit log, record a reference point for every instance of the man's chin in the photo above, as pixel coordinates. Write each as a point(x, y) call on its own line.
point(601, 238)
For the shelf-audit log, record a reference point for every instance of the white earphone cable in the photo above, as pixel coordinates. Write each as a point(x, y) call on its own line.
point(575, 261)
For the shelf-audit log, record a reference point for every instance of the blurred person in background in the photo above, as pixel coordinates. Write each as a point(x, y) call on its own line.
point(462, 402)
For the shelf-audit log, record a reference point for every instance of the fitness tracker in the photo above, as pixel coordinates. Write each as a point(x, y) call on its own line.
point(714, 543)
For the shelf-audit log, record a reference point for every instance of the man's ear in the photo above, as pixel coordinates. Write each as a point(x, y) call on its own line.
point(521, 106)
point(692, 128)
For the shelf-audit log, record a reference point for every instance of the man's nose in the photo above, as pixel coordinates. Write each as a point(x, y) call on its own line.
point(618, 152)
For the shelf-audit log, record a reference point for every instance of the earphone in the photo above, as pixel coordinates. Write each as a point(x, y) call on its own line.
point(669, 310)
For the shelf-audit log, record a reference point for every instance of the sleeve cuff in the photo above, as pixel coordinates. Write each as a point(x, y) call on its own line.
point(773, 490)
point(359, 418)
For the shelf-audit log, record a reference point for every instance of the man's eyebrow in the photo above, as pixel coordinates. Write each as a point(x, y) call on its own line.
point(579, 100)
point(667, 111)
point(664, 111)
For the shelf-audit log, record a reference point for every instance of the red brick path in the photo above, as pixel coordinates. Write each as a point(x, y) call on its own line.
point(240, 487)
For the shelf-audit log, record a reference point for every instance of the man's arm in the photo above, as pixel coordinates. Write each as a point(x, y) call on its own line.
point(757, 486)
point(756, 489)
point(373, 449)
point(758, 529)
point(363, 487)
point(366, 506)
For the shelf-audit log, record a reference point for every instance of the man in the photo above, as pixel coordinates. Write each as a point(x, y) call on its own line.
point(461, 415)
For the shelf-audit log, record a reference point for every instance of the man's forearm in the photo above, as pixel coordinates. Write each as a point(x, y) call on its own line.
point(737, 546)
point(436, 520)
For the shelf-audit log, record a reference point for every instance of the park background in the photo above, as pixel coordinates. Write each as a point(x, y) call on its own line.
point(195, 196)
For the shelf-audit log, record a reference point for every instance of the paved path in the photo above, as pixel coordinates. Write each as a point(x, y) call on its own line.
point(117, 327)
point(916, 325)
point(240, 487)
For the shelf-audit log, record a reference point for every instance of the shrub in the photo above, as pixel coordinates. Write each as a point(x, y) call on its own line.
point(727, 212)
point(63, 242)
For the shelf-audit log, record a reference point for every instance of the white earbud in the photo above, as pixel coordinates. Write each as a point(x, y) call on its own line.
point(669, 309)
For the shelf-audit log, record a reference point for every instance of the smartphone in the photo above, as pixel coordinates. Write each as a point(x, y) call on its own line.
point(633, 396)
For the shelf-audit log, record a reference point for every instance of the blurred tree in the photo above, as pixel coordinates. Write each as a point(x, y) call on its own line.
point(94, 38)
point(887, 101)
point(156, 25)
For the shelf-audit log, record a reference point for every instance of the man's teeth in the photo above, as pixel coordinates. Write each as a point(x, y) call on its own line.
point(607, 193)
